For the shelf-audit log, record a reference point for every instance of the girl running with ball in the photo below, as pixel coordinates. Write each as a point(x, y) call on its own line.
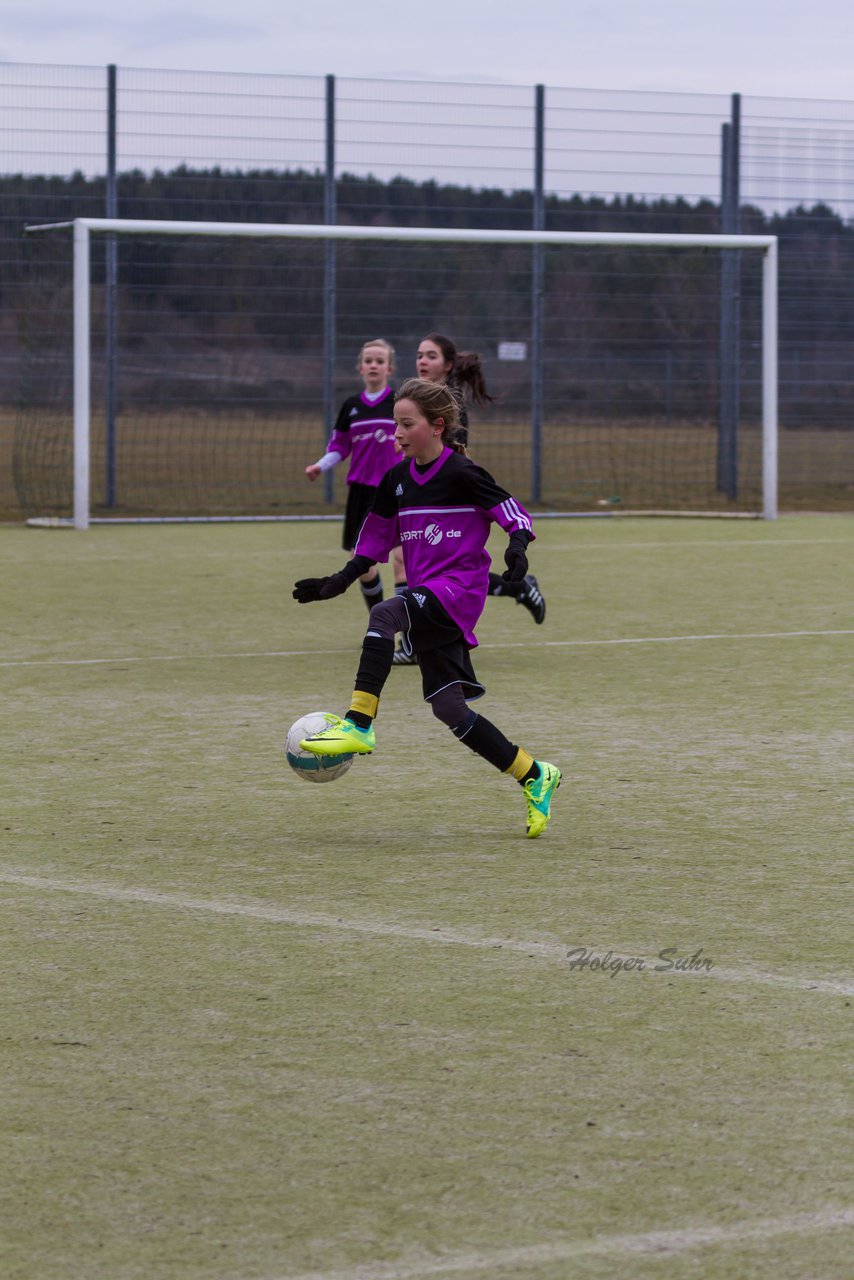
point(439, 505)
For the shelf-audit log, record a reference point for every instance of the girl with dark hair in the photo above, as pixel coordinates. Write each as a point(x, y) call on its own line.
point(440, 506)
point(439, 361)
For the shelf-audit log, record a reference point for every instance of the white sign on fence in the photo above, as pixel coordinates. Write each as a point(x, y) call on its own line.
point(512, 351)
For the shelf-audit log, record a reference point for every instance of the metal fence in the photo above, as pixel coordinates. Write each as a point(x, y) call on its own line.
point(605, 143)
point(133, 142)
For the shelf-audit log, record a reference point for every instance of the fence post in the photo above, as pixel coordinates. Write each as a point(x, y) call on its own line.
point(111, 203)
point(730, 329)
point(329, 281)
point(539, 222)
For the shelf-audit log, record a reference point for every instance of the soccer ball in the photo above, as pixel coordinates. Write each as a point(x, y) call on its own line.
point(309, 767)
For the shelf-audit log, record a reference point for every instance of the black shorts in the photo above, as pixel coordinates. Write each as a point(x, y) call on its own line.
point(360, 499)
point(438, 644)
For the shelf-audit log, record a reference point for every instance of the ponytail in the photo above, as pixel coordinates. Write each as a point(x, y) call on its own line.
point(466, 371)
point(467, 374)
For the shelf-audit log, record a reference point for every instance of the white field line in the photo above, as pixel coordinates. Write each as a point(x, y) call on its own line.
point(444, 936)
point(527, 644)
point(660, 1243)
point(169, 657)
point(579, 548)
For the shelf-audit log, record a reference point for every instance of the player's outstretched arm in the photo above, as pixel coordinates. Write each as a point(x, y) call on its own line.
point(307, 590)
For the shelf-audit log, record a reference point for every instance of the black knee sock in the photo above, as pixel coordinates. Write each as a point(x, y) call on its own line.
point(486, 740)
point(372, 592)
point(498, 587)
point(374, 666)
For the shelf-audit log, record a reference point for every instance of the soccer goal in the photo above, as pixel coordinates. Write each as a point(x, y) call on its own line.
point(187, 370)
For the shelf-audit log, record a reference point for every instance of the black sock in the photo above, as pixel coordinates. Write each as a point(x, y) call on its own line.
point(486, 740)
point(374, 665)
point(532, 774)
point(399, 588)
point(372, 592)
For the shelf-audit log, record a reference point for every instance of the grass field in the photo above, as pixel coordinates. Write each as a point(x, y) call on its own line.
point(257, 1030)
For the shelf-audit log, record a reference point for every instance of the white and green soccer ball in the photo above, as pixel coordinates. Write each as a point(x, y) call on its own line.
point(309, 767)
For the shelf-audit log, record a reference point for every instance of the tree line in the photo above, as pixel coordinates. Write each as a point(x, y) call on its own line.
point(606, 310)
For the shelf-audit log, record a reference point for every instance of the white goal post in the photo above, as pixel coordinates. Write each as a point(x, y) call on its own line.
point(84, 228)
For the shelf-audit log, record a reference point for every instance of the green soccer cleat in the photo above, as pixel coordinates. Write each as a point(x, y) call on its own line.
point(341, 738)
point(538, 793)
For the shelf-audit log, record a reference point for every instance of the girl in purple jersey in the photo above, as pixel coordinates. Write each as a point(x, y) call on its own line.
point(364, 433)
point(440, 506)
point(439, 361)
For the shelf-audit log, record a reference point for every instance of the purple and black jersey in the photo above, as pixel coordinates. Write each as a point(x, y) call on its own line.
point(441, 518)
point(364, 432)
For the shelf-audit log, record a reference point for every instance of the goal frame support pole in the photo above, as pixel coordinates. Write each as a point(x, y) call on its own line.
point(84, 227)
point(770, 432)
point(82, 375)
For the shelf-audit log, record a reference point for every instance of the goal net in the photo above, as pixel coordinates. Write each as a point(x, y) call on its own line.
point(190, 370)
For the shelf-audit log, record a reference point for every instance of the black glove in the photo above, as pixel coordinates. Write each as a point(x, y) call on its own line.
point(516, 561)
point(310, 589)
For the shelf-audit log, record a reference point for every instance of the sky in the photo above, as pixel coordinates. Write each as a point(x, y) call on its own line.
point(789, 48)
